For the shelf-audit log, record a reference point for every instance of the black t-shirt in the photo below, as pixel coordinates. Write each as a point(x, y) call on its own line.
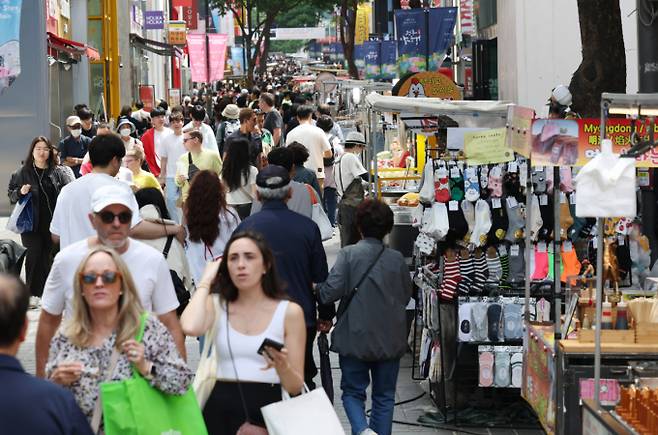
point(255, 145)
point(273, 120)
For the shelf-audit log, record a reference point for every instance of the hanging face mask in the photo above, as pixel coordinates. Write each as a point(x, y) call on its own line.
point(76, 133)
point(124, 132)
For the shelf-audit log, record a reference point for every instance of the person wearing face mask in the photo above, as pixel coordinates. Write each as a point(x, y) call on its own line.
point(198, 115)
point(125, 130)
point(74, 146)
point(40, 176)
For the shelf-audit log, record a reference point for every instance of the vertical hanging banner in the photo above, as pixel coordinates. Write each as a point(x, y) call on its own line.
point(237, 61)
point(362, 25)
point(10, 30)
point(217, 52)
point(387, 57)
point(147, 96)
point(411, 34)
point(439, 32)
point(360, 60)
point(196, 46)
point(372, 59)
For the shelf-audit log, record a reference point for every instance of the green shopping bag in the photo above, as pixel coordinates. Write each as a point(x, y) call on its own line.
point(134, 407)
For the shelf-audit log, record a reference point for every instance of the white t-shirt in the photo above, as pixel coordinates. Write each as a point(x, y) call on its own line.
point(147, 266)
point(71, 216)
point(209, 139)
point(172, 148)
point(243, 195)
point(346, 169)
point(198, 253)
point(158, 137)
point(315, 140)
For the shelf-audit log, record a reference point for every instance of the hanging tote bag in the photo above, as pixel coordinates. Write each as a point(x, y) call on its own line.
point(134, 407)
point(308, 413)
point(21, 219)
point(320, 217)
point(206, 372)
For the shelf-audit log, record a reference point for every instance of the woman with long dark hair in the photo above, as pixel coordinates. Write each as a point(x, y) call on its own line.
point(210, 222)
point(252, 307)
point(40, 177)
point(239, 176)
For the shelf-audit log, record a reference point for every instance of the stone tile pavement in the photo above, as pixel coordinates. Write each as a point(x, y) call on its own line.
point(406, 387)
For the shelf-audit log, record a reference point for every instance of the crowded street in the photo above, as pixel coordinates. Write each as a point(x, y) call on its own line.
point(257, 217)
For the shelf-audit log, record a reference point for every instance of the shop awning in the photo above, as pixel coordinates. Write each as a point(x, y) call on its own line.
point(72, 48)
point(488, 114)
point(157, 47)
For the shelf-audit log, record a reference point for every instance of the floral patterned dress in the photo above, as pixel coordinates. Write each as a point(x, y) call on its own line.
point(172, 375)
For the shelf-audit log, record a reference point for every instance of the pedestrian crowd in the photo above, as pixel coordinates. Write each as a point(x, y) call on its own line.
point(199, 220)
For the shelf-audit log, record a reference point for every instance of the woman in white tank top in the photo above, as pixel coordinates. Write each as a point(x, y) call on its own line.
point(252, 309)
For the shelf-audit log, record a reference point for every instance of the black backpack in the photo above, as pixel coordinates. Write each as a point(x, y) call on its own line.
point(329, 161)
point(182, 294)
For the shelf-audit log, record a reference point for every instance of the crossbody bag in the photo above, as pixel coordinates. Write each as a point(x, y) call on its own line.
point(347, 299)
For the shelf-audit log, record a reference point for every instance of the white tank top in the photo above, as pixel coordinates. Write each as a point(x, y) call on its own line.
point(247, 361)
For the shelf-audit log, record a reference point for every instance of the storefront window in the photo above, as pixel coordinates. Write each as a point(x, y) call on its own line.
point(94, 8)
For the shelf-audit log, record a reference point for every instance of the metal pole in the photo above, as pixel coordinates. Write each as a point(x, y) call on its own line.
point(599, 283)
point(557, 303)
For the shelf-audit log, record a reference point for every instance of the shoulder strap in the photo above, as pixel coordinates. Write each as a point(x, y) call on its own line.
point(98, 410)
point(167, 246)
point(340, 177)
point(142, 326)
point(345, 302)
point(311, 192)
point(189, 157)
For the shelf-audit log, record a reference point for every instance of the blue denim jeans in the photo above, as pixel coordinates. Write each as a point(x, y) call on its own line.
point(329, 201)
point(173, 192)
point(356, 376)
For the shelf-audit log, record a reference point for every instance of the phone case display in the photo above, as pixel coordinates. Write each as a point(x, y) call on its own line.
point(500, 366)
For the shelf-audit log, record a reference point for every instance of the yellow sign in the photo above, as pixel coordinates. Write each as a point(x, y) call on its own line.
point(488, 146)
point(362, 27)
point(429, 84)
point(177, 33)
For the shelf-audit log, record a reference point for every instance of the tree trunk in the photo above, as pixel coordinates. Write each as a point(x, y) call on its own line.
point(347, 29)
point(603, 68)
point(262, 67)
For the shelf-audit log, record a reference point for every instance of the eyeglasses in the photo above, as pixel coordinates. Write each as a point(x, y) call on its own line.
point(185, 139)
point(107, 277)
point(108, 217)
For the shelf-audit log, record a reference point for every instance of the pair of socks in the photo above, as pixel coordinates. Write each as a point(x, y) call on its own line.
point(480, 322)
point(451, 278)
point(481, 272)
point(513, 321)
point(482, 223)
point(442, 190)
point(486, 360)
point(426, 192)
point(566, 221)
point(471, 184)
point(496, 182)
point(536, 221)
point(456, 188)
point(503, 373)
point(465, 332)
point(468, 209)
point(517, 369)
point(517, 263)
point(540, 271)
point(467, 272)
point(516, 221)
point(458, 225)
point(495, 319)
point(547, 218)
point(494, 267)
point(571, 265)
point(499, 223)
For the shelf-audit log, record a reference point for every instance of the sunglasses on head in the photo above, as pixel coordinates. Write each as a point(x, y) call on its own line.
point(108, 217)
point(107, 277)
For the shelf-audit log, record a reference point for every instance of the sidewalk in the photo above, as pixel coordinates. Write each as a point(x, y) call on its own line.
point(406, 387)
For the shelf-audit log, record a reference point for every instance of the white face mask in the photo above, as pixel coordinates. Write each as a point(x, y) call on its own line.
point(76, 133)
point(124, 132)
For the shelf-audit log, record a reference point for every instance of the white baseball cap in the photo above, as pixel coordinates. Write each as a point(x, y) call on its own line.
point(108, 195)
point(562, 95)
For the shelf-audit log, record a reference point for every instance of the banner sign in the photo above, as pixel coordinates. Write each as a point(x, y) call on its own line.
point(467, 17)
point(190, 16)
point(372, 58)
point(427, 84)
point(519, 127)
point(176, 32)
point(360, 60)
point(362, 25)
point(441, 24)
point(196, 47)
point(484, 147)
point(173, 97)
point(153, 20)
point(217, 52)
point(237, 61)
point(411, 34)
point(574, 142)
point(298, 33)
point(147, 96)
point(10, 33)
point(388, 57)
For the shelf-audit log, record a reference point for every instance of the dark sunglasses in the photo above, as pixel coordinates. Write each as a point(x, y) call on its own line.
point(108, 217)
point(106, 277)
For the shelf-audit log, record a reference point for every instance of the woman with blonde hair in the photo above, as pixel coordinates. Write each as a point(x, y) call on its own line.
point(106, 318)
point(141, 179)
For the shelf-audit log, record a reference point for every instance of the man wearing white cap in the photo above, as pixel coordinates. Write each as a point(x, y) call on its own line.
point(74, 146)
point(112, 211)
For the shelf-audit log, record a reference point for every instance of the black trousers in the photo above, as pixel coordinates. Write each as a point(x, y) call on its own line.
point(349, 234)
point(224, 412)
point(310, 369)
point(39, 259)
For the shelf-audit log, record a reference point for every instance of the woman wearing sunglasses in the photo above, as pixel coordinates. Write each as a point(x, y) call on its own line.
point(105, 319)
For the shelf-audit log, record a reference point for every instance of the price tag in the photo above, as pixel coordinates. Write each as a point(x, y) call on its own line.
point(621, 240)
point(523, 174)
point(643, 179)
point(453, 205)
point(541, 247)
point(539, 169)
point(514, 250)
point(454, 173)
point(567, 246)
point(496, 171)
point(563, 198)
point(502, 250)
point(495, 202)
point(572, 198)
point(512, 167)
point(512, 202)
point(543, 199)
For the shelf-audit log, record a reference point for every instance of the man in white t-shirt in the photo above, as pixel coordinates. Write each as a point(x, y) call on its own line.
point(171, 148)
point(198, 115)
point(70, 221)
point(313, 138)
point(112, 209)
point(347, 169)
